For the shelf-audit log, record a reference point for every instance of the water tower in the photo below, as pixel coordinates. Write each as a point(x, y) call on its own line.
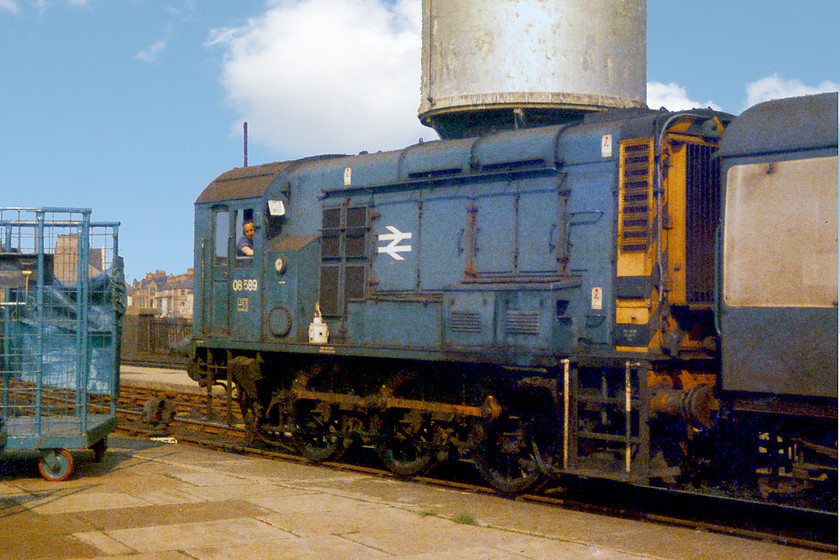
point(504, 64)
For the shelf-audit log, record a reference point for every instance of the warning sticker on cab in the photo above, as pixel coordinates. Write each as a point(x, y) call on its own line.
point(597, 298)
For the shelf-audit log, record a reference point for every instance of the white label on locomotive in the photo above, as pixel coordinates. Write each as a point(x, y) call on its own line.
point(394, 248)
point(597, 298)
point(606, 146)
point(246, 285)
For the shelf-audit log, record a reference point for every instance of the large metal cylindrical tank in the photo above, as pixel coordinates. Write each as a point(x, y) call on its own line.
point(501, 64)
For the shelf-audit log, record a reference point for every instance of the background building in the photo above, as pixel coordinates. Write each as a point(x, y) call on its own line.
point(163, 295)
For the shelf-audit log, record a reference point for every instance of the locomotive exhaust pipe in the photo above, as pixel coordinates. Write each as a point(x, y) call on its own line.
point(245, 143)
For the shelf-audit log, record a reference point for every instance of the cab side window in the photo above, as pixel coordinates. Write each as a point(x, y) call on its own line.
point(245, 234)
point(221, 234)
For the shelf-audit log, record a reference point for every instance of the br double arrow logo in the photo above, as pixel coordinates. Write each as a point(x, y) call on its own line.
point(394, 248)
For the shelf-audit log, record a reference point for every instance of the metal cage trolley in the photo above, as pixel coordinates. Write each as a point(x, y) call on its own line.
point(62, 296)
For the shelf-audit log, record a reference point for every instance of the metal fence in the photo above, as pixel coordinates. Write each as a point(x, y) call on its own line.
point(155, 341)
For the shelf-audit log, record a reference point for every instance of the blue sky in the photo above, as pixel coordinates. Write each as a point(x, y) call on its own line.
point(131, 107)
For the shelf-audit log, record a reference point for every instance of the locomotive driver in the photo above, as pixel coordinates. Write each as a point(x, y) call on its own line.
point(245, 245)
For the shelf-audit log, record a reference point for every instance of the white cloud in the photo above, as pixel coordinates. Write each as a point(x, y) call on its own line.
point(317, 76)
point(9, 6)
point(153, 52)
point(776, 87)
point(673, 97)
point(39, 5)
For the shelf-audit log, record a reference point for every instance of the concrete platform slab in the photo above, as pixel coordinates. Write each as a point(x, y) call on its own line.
point(81, 499)
point(18, 521)
point(473, 553)
point(172, 514)
point(54, 547)
point(197, 535)
point(239, 491)
point(104, 543)
point(162, 379)
point(428, 535)
point(151, 501)
point(316, 548)
point(166, 555)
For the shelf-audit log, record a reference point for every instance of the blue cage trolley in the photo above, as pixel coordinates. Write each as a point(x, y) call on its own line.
point(62, 296)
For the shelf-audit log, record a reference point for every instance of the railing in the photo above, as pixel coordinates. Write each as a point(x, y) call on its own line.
point(155, 341)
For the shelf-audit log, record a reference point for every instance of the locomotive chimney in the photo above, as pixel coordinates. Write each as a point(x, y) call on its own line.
point(506, 64)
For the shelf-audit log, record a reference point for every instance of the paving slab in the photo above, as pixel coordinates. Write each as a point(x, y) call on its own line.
point(180, 536)
point(170, 514)
point(315, 548)
point(104, 543)
point(153, 501)
point(17, 521)
point(54, 547)
point(162, 379)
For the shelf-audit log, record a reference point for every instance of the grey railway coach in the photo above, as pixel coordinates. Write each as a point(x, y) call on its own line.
point(778, 310)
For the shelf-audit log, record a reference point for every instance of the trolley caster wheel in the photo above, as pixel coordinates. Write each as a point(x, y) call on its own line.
point(55, 464)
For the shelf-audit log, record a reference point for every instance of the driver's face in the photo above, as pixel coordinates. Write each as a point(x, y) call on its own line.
point(248, 230)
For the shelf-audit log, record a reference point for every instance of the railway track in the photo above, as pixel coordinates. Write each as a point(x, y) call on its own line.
point(225, 431)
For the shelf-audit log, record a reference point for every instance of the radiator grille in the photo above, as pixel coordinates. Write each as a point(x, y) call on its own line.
point(522, 322)
point(344, 257)
point(702, 219)
point(635, 194)
point(466, 322)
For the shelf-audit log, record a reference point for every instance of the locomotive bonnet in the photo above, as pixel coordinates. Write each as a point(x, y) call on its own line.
point(496, 248)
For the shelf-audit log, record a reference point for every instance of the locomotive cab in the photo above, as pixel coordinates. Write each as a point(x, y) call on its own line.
point(247, 300)
point(229, 261)
point(230, 277)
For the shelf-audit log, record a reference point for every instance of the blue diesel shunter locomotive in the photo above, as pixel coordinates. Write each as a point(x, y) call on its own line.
point(580, 299)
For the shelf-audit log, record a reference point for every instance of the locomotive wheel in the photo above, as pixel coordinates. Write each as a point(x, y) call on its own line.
point(406, 445)
point(318, 433)
point(505, 456)
point(55, 464)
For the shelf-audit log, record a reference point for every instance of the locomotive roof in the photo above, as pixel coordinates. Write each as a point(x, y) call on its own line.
point(251, 181)
point(527, 150)
point(242, 182)
point(779, 125)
